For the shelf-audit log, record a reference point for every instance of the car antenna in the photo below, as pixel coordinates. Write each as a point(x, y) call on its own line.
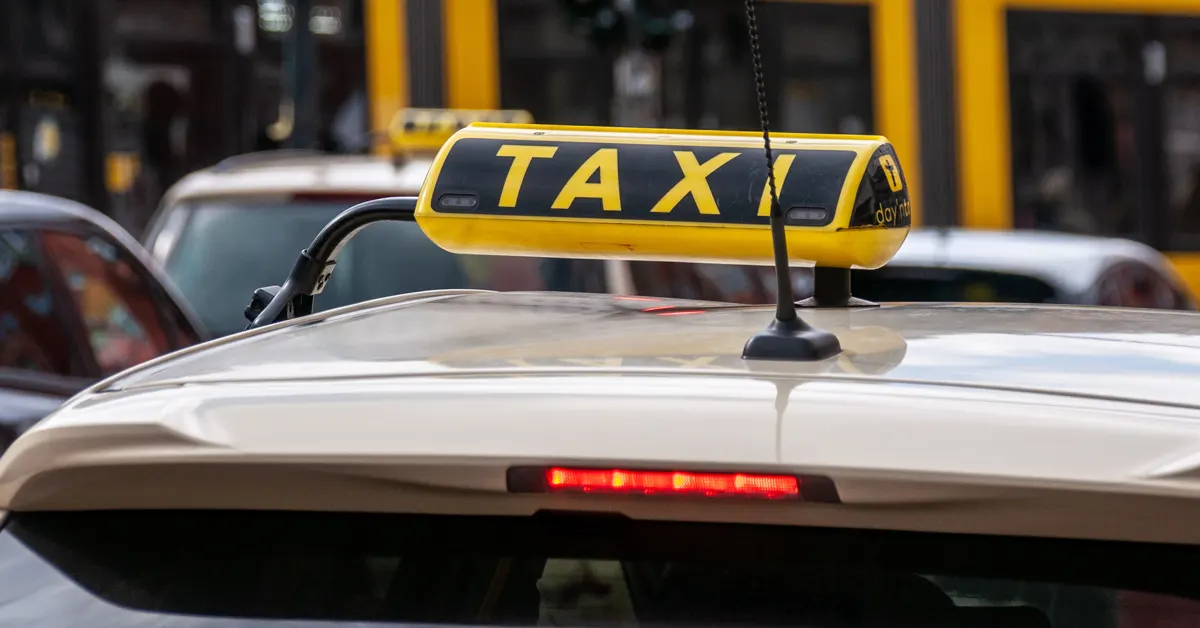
point(788, 337)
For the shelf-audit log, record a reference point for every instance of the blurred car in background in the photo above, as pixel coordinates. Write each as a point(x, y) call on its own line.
point(1026, 267)
point(963, 265)
point(222, 232)
point(80, 299)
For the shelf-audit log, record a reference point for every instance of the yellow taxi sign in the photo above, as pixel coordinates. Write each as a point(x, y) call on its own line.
point(665, 195)
point(428, 129)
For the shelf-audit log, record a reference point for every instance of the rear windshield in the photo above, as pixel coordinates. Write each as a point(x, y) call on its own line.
point(910, 283)
point(228, 249)
point(215, 569)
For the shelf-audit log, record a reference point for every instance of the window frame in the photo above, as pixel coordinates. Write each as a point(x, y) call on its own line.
point(1151, 179)
point(1145, 144)
point(784, 71)
point(1172, 236)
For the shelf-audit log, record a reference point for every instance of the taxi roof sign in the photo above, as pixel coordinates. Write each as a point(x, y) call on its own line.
point(425, 129)
point(664, 195)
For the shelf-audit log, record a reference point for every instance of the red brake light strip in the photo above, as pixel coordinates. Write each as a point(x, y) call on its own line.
point(561, 479)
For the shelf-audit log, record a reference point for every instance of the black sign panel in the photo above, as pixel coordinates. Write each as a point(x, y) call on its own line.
point(654, 183)
point(883, 198)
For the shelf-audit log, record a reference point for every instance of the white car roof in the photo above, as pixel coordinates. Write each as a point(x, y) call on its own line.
point(1068, 262)
point(1008, 419)
point(288, 173)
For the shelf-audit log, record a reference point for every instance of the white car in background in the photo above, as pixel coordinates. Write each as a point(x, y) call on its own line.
point(961, 265)
point(1026, 267)
point(226, 230)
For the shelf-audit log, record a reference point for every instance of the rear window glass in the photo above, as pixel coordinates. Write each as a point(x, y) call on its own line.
point(259, 569)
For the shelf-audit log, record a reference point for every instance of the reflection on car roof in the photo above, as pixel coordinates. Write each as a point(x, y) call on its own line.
point(1142, 355)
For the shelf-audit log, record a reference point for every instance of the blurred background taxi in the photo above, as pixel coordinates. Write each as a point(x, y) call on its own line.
point(1052, 147)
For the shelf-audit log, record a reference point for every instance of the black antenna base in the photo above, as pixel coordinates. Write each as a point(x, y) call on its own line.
point(792, 340)
point(814, 303)
point(831, 289)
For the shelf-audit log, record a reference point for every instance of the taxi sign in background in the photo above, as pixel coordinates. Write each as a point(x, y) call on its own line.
point(651, 194)
point(417, 128)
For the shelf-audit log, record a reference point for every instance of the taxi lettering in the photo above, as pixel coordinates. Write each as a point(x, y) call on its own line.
point(522, 157)
point(607, 189)
point(783, 164)
point(642, 182)
point(694, 182)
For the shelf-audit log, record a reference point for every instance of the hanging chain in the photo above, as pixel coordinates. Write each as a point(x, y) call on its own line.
point(785, 309)
point(760, 87)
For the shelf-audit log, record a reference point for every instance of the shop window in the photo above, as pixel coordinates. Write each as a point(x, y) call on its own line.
point(1181, 102)
point(818, 59)
point(549, 69)
point(51, 146)
point(818, 56)
point(154, 19)
point(340, 76)
point(1075, 152)
point(46, 33)
point(1181, 132)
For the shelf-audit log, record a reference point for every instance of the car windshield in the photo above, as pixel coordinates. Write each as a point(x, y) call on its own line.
point(221, 569)
point(227, 249)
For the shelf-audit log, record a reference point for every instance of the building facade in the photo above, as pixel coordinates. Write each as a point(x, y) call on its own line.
point(833, 66)
point(111, 101)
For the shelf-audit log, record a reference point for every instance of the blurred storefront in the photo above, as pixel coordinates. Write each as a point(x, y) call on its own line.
point(111, 101)
point(817, 55)
point(1083, 116)
point(47, 98)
